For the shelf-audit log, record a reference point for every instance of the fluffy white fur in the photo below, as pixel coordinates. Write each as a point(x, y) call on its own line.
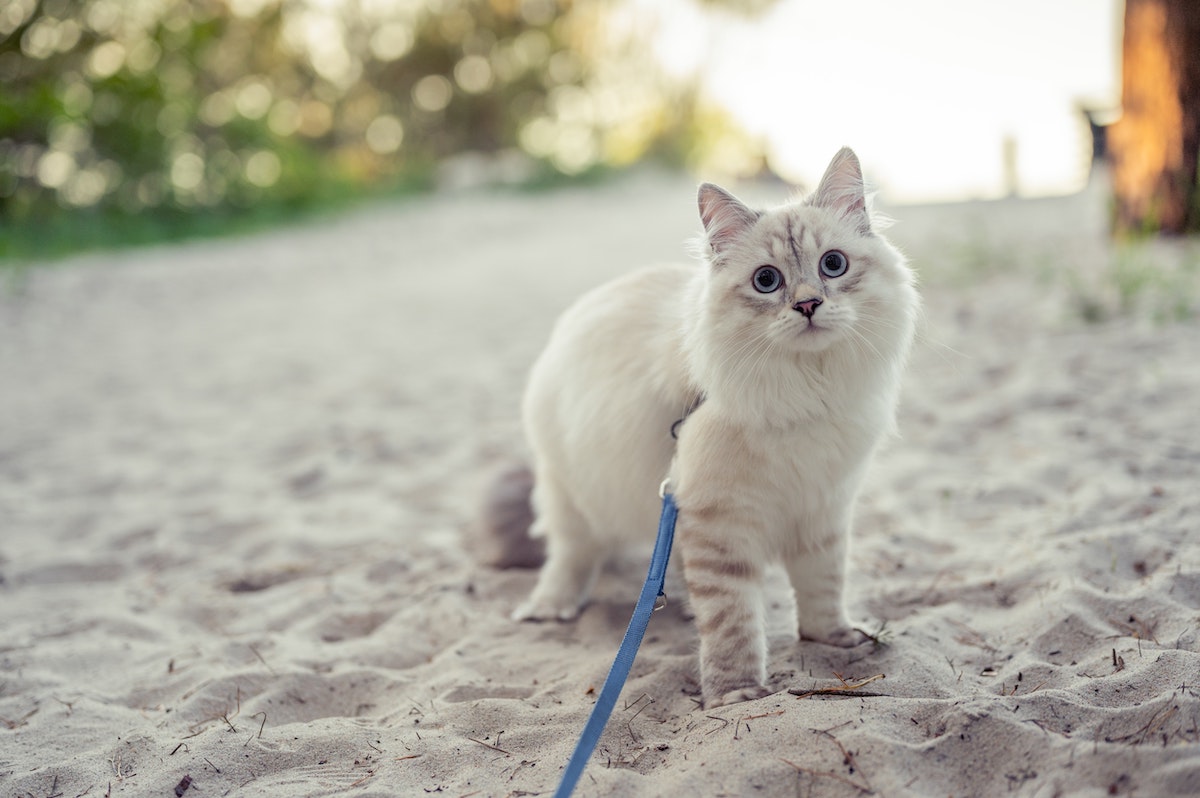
point(766, 470)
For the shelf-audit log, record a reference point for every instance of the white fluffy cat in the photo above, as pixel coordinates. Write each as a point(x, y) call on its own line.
point(788, 345)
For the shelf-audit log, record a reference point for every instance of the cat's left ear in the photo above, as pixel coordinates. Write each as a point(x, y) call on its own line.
point(841, 190)
point(725, 217)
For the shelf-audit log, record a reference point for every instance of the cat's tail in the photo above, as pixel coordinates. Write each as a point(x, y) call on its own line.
point(499, 535)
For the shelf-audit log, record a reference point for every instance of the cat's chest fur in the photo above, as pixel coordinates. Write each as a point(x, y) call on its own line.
point(793, 453)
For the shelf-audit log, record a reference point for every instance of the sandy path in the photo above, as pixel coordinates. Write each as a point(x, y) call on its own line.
point(233, 477)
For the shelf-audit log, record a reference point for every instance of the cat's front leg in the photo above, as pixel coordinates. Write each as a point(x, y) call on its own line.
point(725, 589)
point(818, 577)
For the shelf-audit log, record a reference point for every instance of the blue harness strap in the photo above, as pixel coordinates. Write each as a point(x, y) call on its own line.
point(651, 590)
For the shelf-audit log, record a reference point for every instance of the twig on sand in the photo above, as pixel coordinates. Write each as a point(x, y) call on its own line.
point(1041, 725)
point(196, 689)
point(880, 638)
point(835, 728)
point(971, 637)
point(724, 721)
point(370, 773)
point(489, 745)
point(1136, 628)
point(846, 689)
point(848, 758)
point(1152, 727)
point(121, 770)
point(636, 701)
point(828, 775)
point(516, 769)
point(260, 659)
point(261, 726)
point(641, 709)
point(21, 721)
point(743, 720)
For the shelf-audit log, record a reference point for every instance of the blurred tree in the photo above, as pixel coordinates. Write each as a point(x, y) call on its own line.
point(1155, 144)
point(746, 8)
point(129, 107)
point(175, 109)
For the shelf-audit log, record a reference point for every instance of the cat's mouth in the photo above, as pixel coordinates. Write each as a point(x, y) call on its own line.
point(815, 336)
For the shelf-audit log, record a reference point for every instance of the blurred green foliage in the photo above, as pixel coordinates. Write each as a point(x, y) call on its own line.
point(130, 120)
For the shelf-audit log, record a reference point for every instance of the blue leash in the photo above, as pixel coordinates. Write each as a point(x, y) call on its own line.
point(651, 590)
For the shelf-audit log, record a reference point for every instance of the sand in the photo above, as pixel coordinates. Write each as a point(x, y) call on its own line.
point(235, 475)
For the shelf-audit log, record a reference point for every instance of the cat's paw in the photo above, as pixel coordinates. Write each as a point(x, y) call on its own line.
point(841, 636)
point(737, 696)
point(540, 609)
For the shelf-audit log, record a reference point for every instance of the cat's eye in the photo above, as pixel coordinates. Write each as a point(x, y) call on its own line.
point(834, 264)
point(767, 279)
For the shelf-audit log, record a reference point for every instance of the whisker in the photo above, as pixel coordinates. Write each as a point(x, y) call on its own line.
point(755, 361)
point(737, 372)
point(746, 345)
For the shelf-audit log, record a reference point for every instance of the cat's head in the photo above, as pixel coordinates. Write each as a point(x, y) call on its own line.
point(806, 276)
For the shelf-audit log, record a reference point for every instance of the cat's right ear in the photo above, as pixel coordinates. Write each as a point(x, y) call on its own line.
point(724, 216)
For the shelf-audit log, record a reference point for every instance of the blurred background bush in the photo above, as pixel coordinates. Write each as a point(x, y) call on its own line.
point(131, 120)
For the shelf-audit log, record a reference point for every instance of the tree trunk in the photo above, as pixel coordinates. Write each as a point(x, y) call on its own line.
point(1156, 142)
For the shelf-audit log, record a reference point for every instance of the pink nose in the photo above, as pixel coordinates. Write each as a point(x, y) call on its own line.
point(807, 307)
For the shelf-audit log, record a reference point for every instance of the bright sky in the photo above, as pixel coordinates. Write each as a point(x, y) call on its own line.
point(926, 91)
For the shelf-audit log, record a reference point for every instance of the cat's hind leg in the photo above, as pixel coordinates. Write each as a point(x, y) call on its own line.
point(573, 557)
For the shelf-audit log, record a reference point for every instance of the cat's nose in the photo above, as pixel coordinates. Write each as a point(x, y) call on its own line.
point(807, 306)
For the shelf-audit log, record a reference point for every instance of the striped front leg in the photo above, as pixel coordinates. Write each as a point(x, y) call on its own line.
point(726, 593)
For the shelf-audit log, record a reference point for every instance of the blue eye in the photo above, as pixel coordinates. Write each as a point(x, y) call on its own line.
point(834, 264)
point(767, 280)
